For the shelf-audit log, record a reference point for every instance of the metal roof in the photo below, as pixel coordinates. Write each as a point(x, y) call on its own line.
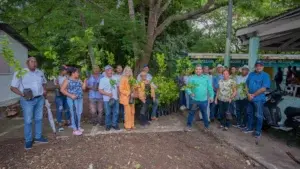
point(13, 33)
point(278, 33)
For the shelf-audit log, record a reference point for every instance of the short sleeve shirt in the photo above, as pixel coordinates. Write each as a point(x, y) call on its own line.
point(226, 89)
point(33, 80)
point(94, 81)
point(216, 80)
point(105, 85)
point(61, 79)
point(256, 81)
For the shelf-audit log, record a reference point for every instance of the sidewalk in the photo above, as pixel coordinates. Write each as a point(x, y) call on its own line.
point(270, 152)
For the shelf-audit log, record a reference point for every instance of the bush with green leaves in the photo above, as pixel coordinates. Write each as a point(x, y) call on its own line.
point(8, 56)
point(167, 89)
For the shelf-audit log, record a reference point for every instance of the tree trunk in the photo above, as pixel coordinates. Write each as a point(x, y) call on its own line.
point(145, 57)
point(132, 17)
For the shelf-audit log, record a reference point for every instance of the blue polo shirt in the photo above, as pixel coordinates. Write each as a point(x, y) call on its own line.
point(91, 82)
point(216, 80)
point(256, 81)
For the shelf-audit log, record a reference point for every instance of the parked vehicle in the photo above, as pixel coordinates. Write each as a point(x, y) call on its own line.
point(272, 113)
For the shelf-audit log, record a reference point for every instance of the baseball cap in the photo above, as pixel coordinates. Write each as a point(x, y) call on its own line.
point(107, 67)
point(259, 62)
point(63, 67)
point(219, 65)
point(245, 67)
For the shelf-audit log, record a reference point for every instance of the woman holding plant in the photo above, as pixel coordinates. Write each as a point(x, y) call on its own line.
point(146, 95)
point(73, 88)
point(225, 94)
point(127, 94)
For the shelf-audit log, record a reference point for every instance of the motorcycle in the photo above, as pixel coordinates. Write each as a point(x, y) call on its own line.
point(272, 113)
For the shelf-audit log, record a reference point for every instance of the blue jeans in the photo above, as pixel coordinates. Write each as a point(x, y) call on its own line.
point(75, 114)
point(33, 108)
point(203, 108)
point(154, 108)
point(61, 105)
point(111, 113)
point(214, 111)
point(182, 98)
point(241, 112)
point(255, 108)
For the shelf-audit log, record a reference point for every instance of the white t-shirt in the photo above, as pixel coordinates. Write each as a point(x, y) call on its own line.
point(61, 79)
point(118, 77)
point(106, 86)
point(33, 80)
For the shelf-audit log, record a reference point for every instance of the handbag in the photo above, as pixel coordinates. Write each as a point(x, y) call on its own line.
point(28, 95)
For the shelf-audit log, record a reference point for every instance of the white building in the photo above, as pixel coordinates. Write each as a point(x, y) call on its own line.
point(20, 47)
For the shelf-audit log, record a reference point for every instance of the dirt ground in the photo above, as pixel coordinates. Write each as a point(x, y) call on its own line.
point(142, 150)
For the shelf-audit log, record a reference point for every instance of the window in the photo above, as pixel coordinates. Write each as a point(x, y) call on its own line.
point(4, 68)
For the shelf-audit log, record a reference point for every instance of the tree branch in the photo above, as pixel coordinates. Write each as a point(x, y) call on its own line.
point(163, 8)
point(207, 8)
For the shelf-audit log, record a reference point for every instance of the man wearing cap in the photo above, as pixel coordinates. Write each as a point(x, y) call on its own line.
point(108, 88)
point(95, 98)
point(241, 98)
point(200, 94)
point(214, 107)
point(257, 83)
point(145, 69)
point(61, 100)
point(31, 88)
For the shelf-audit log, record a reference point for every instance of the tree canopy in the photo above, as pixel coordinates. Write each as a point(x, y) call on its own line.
point(87, 31)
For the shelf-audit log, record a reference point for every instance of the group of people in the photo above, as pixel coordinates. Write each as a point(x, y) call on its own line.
point(112, 97)
point(292, 77)
point(112, 94)
point(227, 93)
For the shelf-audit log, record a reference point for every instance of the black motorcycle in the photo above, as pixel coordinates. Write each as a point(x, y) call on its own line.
point(272, 113)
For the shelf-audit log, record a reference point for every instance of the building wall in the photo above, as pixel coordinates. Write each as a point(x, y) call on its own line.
point(21, 54)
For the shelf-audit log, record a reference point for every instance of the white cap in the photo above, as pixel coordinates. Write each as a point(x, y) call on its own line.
point(245, 67)
point(219, 65)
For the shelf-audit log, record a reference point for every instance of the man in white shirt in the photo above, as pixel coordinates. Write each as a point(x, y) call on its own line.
point(32, 105)
point(145, 69)
point(241, 98)
point(108, 88)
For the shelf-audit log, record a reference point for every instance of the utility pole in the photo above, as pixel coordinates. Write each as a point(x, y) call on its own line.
point(228, 38)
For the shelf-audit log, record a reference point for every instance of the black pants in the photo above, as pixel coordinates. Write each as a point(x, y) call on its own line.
point(241, 112)
point(278, 86)
point(223, 108)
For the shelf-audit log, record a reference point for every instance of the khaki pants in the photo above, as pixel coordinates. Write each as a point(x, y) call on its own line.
point(96, 109)
point(129, 116)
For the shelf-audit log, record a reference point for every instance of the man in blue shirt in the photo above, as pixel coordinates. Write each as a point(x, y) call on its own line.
point(257, 83)
point(95, 98)
point(215, 80)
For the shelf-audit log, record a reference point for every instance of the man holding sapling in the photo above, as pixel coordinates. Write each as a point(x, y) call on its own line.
point(31, 88)
point(108, 88)
point(199, 88)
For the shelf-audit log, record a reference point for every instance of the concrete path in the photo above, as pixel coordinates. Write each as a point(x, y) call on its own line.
point(270, 152)
point(13, 129)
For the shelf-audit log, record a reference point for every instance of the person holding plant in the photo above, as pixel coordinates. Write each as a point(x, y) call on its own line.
point(127, 94)
point(108, 88)
point(31, 88)
point(200, 90)
point(147, 97)
point(73, 88)
point(61, 100)
point(241, 98)
point(118, 75)
point(95, 98)
point(225, 94)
